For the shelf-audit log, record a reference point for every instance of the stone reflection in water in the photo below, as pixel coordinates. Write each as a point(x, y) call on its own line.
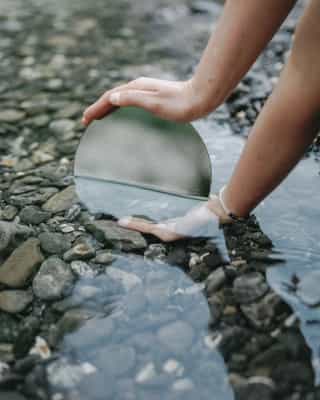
point(133, 148)
point(139, 331)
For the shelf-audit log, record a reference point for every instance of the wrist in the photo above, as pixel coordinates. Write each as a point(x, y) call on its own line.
point(206, 96)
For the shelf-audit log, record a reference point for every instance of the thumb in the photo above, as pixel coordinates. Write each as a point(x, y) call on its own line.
point(148, 100)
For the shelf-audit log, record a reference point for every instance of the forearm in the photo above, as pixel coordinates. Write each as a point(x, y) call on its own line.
point(244, 29)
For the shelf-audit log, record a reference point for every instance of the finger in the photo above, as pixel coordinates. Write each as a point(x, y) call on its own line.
point(150, 101)
point(102, 106)
point(137, 224)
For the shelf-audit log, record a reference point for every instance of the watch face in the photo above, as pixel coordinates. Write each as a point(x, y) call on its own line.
point(132, 161)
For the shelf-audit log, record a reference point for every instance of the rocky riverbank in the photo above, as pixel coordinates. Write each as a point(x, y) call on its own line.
point(65, 271)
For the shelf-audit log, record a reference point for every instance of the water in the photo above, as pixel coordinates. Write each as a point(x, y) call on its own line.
point(141, 329)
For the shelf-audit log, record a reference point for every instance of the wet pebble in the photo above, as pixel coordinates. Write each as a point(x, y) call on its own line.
point(308, 288)
point(54, 279)
point(105, 258)
point(82, 251)
point(54, 243)
point(61, 201)
point(215, 281)
point(249, 287)
point(33, 215)
point(176, 336)
point(11, 115)
point(21, 264)
point(15, 301)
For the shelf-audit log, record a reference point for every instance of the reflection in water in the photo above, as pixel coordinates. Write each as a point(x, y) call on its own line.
point(147, 337)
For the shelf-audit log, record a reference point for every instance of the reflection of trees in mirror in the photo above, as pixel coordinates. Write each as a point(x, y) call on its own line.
point(143, 328)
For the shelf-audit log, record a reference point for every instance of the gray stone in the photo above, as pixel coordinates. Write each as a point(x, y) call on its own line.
point(82, 269)
point(62, 127)
point(215, 281)
point(176, 336)
point(249, 287)
point(11, 396)
point(110, 232)
point(156, 251)
point(308, 288)
point(61, 201)
point(11, 115)
point(33, 215)
point(21, 264)
point(105, 258)
point(262, 314)
point(8, 213)
point(54, 279)
point(127, 279)
point(54, 243)
point(15, 301)
point(82, 251)
point(39, 196)
point(116, 360)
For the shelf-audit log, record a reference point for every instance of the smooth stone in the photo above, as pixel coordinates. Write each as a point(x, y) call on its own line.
point(105, 258)
point(127, 279)
point(8, 213)
point(61, 201)
point(156, 251)
point(82, 269)
point(147, 373)
point(183, 385)
point(262, 314)
point(116, 360)
point(176, 336)
point(215, 281)
point(308, 288)
point(249, 287)
point(15, 301)
point(11, 115)
point(82, 251)
point(9, 328)
point(21, 264)
point(54, 279)
point(54, 243)
point(33, 215)
point(110, 232)
point(62, 127)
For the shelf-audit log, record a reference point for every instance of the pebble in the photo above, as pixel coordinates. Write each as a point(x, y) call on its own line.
point(21, 264)
point(215, 281)
point(15, 301)
point(82, 269)
point(8, 213)
point(176, 336)
point(54, 279)
point(33, 215)
point(146, 373)
point(54, 243)
point(249, 287)
point(105, 258)
point(41, 348)
point(82, 251)
point(11, 115)
point(308, 288)
point(173, 366)
point(123, 239)
point(183, 385)
point(61, 201)
point(127, 279)
point(61, 128)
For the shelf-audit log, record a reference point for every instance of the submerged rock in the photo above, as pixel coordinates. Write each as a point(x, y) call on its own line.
point(176, 336)
point(308, 288)
point(54, 243)
point(61, 201)
point(249, 287)
point(111, 232)
point(54, 279)
point(21, 264)
point(33, 215)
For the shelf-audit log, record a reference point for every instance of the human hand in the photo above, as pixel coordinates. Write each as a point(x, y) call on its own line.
point(171, 100)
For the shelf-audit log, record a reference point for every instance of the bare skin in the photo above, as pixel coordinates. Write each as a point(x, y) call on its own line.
point(285, 127)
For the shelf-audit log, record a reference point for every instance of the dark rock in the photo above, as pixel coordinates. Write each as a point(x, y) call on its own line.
point(54, 243)
point(215, 281)
point(33, 215)
point(54, 279)
point(249, 287)
point(82, 251)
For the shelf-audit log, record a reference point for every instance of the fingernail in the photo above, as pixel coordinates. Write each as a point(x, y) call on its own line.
point(114, 98)
point(84, 121)
point(125, 221)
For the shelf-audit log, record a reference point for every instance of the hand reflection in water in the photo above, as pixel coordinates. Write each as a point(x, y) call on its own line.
point(194, 223)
